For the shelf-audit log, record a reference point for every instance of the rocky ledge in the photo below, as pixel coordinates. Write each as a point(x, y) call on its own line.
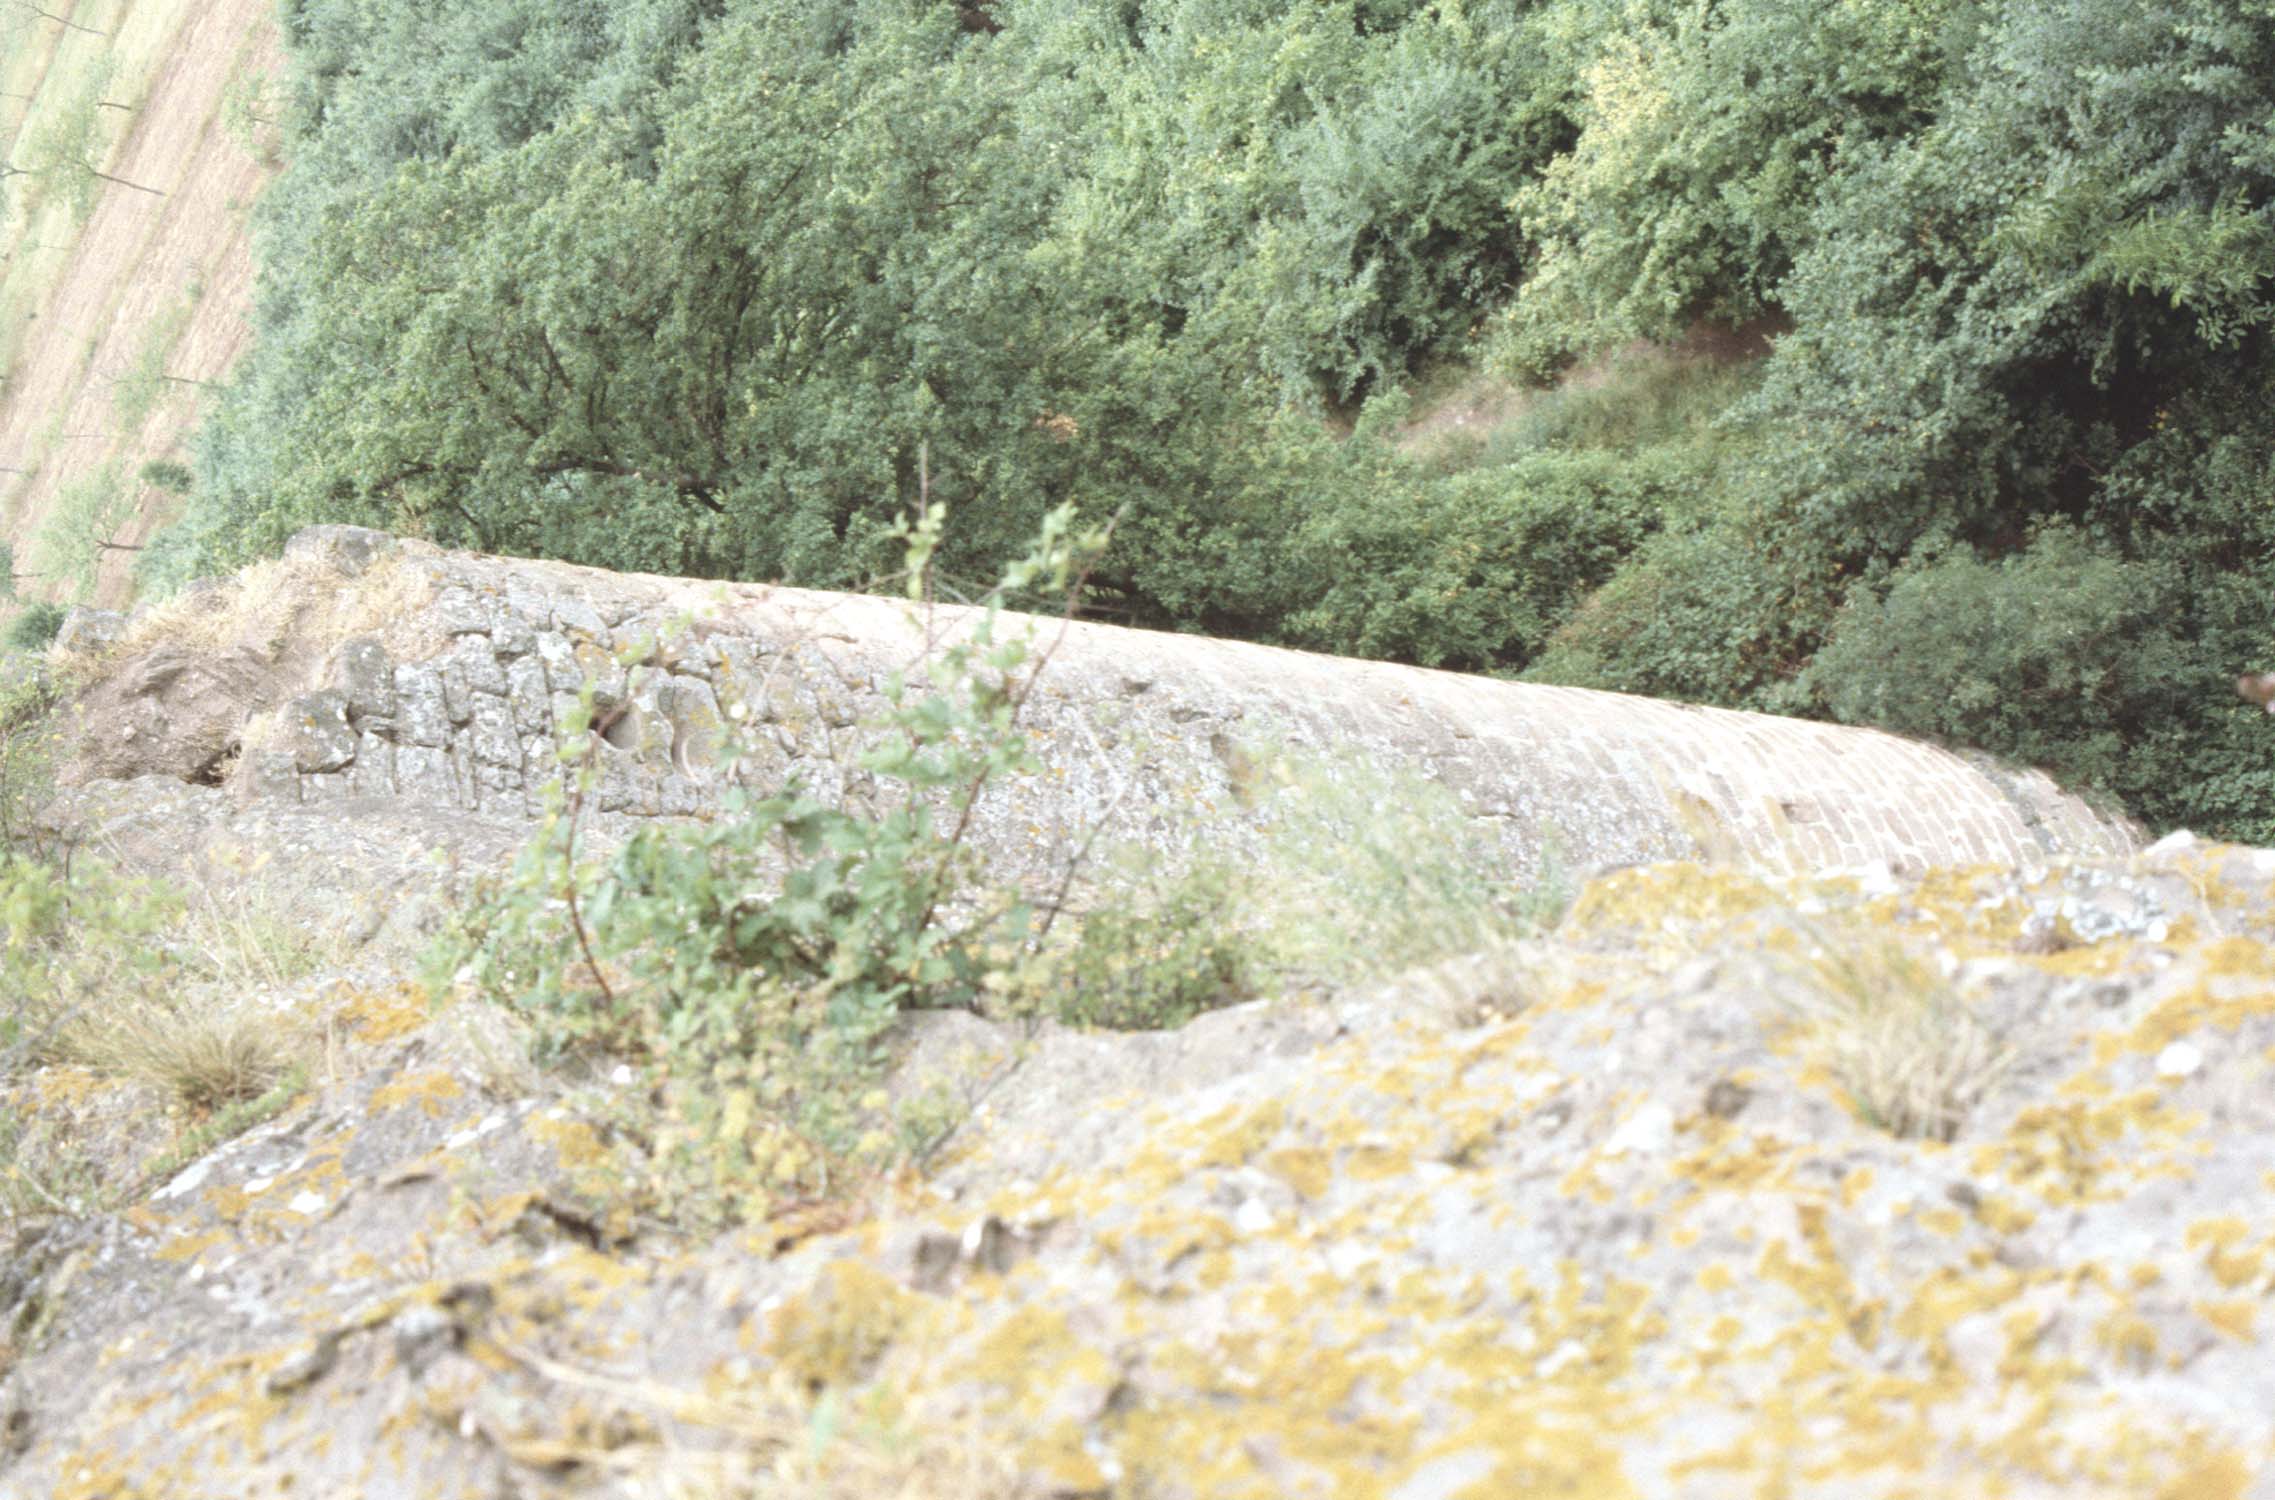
point(1931, 1160)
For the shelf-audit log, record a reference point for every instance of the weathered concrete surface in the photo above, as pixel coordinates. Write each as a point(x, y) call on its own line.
point(363, 667)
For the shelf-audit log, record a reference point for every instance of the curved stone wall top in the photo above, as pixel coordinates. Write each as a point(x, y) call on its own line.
point(397, 670)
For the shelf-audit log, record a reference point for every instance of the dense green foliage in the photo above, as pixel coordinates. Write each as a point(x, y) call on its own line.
point(36, 624)
point(724, 287)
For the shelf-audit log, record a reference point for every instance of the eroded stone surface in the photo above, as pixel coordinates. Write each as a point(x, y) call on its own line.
point(1146, 733)
point(1593, 1216)
point(1622, 1210)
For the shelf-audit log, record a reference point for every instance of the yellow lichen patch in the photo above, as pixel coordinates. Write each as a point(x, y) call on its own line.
point(189, 1247)
point(1951, 1294)
point(576, 1145)
point(98, 1476)
point(1046, 1380)
point(1233, 1135)
point(2232, 1316)
point(2087, 960)
point(2221, 1239)
point(2130, 1339)
point(376, 1016)
point(2065, 1151)
point(1949, 902)
point(1376, 1160)
point(430, 1089)
point(1655, 898)
point(234, 1401)
point(1581, 996)
point(1818, 1278)
point(590, 1271)
point(1732, 1161)
point(2239, 987)
point(2003, 1215)
point(64, 1087)
point(835, 1334)
point(1537, 1450)
point(1282, 1393)
point(2222, 1476)
point(1307, 1169)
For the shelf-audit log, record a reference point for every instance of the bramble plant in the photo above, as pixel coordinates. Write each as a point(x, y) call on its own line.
point(756, 960)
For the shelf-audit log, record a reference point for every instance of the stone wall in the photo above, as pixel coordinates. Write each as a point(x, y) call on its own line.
point(363, 667)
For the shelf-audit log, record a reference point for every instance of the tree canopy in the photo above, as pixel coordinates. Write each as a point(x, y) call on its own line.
point(719, 286)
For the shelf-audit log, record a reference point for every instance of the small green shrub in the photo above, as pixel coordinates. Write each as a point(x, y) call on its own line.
point(1148, 959)
point(2059, 655)
point(1714, 613)
point(169, 474)
point(759, 957)
point(1476, 570)
point(35, 626)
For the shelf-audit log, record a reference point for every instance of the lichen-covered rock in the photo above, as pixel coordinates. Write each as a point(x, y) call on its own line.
point(1905, 1136)
point(364, 674)
point(86, 631)
point(422, 712)
point(1616, 1212)
point(314, 730)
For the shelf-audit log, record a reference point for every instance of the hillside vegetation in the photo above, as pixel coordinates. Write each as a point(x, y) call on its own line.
point(722, 289)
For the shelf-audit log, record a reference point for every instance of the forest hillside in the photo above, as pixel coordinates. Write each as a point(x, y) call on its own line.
point(721, 289)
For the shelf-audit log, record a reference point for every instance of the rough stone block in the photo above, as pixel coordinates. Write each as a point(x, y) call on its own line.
point(462, 771)
point(456, 611)
point(316, 732)
point(269, 774)
point(679, 797)
point(86, 631)
point(493, 739)
point(457, 697)
point(365, 675)
point(473, 657)
point(350, 549)
point(511, 633)
point(540, 762)
point(423, 774)
point(559, 657)
point(498, 788)
point(374, 770)
point(563, 705)
point(578, 617)
point(422, 708)
point(526, 693)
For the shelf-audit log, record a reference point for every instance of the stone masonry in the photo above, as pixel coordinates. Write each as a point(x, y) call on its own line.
point(455, 697)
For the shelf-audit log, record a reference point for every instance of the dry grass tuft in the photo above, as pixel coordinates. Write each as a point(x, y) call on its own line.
point(202, 1059)
point(136, 982)
point(301, 600)
point(1910, 1054)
